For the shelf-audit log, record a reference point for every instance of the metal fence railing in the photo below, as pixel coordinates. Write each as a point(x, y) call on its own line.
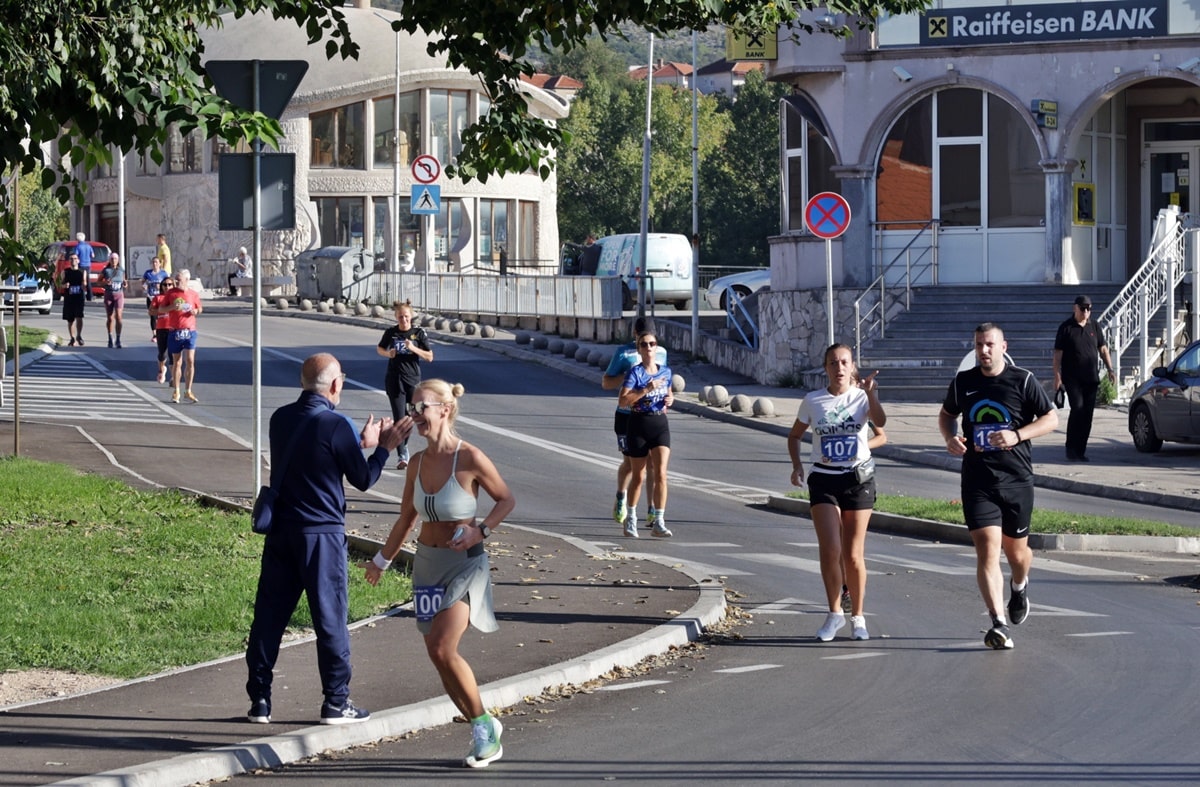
point(481, 293)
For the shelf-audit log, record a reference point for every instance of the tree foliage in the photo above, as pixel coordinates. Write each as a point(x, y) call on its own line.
point(600, 166)
point(93, 75)
point(740, 193)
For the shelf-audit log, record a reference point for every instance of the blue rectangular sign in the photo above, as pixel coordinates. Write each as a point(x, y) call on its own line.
point(1052, 22)
point(426, 200)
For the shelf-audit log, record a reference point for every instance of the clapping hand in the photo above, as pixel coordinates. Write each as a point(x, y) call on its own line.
point(369, 437)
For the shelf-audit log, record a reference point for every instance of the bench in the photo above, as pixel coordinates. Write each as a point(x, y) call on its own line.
point(267, 285)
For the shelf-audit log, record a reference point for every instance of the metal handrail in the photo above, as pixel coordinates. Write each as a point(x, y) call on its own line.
point(875, 318)
point(733, 300)
point(1151, 288)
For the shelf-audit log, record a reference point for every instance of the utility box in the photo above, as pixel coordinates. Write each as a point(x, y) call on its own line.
point(337, 272)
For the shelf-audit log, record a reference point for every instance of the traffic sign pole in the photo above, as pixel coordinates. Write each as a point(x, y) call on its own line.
point(827, 215)
point(829, 289)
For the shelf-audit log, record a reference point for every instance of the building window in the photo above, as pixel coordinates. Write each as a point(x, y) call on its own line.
point(410, 129)
point(381, 232)
point(808, 159)
point(337, 138)
point(527, 233)
point(185, 153)
point(447, 229)
point(146, 165)
point(448, 116)
point(493, 230)
point(340, 220)
point(220, 146)
point(978, 169)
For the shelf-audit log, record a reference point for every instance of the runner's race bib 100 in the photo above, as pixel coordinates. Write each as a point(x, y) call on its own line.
point(427, 601)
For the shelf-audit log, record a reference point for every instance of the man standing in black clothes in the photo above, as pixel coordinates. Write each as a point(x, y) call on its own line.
point(1078, 348)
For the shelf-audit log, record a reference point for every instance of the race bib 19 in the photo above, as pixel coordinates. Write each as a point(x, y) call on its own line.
point(983, 434)
point(427, 601)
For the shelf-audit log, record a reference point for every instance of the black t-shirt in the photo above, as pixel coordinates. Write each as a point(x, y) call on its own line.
point(1080, 346)
point(1009, 400)
point(74, 283)
point(405, 366)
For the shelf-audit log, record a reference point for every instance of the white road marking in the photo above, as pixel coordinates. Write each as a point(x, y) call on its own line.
point(785, 561)
point(784, 607)
point(1102, 634)
point(755, 668)
point(920, 565)
point(1061, 567)
point(866, 654)
point(639, 684)
point(1045, 610)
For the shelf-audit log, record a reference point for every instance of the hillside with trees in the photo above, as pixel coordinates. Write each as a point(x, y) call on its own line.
point(600, 161)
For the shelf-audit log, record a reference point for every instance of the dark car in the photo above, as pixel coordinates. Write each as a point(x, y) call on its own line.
point(56, 256)
point(1167, 406)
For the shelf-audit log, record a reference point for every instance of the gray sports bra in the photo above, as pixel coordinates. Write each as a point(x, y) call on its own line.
point(451, 503)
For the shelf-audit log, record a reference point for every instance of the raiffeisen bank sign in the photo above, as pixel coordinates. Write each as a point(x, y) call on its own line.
point(1054, 22)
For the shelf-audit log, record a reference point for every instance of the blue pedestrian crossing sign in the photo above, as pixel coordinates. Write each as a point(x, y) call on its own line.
point(426, 200)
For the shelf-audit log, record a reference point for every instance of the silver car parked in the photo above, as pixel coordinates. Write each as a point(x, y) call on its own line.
point(1167, 406)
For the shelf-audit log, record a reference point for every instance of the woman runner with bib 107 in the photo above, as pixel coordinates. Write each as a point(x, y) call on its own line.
point(841, 484)
point(452, 586)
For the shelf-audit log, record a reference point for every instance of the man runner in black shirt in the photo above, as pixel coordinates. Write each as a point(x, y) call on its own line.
point(1003, 408)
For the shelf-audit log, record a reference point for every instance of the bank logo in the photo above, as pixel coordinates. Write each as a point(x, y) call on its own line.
point(939, 26)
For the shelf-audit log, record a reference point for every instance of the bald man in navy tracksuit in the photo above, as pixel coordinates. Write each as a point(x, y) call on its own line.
point(306, 548)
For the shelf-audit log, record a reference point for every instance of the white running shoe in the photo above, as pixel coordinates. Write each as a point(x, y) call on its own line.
point(858, 627)
point(485, 744)
point(834, 621)
point(631, 530)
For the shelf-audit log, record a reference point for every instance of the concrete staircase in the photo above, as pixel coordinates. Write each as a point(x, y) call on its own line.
point(924, 346)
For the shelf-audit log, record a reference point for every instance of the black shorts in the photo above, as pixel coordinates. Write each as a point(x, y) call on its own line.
point(621, 426)
point(646, 431)
point(1010, 507)
point(841, 490)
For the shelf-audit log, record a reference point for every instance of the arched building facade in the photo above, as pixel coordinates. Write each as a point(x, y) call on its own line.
point(340, 127)
point(1037, 140)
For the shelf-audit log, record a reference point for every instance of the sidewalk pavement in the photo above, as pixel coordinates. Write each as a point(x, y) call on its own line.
point(568, 611)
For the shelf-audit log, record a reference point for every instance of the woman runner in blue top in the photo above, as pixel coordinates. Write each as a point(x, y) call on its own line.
point(647, 393)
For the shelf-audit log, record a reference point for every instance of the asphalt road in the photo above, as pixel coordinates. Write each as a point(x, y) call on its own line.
point(1099, 689)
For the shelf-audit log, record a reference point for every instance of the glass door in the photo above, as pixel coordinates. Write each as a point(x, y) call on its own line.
point(1170, 173)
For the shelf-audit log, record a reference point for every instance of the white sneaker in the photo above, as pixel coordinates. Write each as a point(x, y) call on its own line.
point(631, 530)
point(858, 627)
point(485, 744)
point(834, 621)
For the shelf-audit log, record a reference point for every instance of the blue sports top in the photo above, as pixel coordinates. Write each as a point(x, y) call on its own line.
point(626, 357)
point(451, 503)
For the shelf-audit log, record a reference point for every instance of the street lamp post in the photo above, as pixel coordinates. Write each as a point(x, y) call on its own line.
point(395, 207)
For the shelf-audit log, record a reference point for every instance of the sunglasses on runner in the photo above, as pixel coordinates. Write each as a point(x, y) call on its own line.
point(417, 408)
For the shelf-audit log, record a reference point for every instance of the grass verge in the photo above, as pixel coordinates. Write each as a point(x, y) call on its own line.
point(1043, 521)
point(31, 338)
point(99, 578)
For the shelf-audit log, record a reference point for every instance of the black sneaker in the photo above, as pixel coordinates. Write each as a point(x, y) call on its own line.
point(1018, 605)
point(346, 714)
point(260, 712)
point(110, 342)
point(997, 637)
point(847, 602)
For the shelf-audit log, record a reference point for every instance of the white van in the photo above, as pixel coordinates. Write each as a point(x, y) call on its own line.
point(668, 266)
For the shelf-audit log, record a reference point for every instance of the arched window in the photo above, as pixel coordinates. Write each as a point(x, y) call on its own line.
point(808, 159)
point(964, 157)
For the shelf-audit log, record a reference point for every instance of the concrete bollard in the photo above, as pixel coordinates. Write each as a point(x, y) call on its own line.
point(764, 407)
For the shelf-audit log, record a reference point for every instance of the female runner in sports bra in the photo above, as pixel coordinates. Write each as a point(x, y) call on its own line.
point(451, 578)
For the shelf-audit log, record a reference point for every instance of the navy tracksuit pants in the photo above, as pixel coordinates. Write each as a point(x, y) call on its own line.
point(294, 561)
